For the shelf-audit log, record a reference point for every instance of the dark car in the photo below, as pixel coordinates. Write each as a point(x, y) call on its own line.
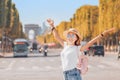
point(45, 49)
point(34, 47)
point(90, 50)
point(99, 50)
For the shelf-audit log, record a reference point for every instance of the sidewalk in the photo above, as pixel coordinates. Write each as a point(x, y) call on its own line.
point(111, 52)
point(6, 54)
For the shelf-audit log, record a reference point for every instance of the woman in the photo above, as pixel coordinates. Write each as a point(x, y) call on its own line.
point(69, 54)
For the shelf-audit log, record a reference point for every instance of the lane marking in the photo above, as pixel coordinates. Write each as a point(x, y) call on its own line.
point(113, 64)
point(21, 68)
point(10, 65)
point(51, 60)
point(48, 67)
point(101, 66)
point(35, 68)
point(3, 62)
point(23, 61)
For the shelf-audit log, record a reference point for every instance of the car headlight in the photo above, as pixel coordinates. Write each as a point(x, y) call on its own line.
point(30, 49)
point(40, 49)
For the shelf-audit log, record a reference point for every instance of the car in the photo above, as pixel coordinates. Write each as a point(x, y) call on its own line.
point(45, 49)
point(90, 50)
point(34, 48)
point(96, 50)
point(40, 49)
point(99, 50)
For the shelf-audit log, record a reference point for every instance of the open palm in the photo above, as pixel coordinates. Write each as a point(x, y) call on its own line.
point(50, 21)
point(108, 31)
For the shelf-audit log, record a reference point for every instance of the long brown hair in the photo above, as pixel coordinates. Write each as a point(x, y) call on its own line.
point(77, 42)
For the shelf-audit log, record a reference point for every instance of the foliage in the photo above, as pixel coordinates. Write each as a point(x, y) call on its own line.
point(93, 20)
point(9, 19)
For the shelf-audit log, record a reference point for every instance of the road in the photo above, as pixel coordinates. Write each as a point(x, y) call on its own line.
point(38, 67)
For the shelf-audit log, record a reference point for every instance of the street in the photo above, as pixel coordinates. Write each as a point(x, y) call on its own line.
point(38, 67)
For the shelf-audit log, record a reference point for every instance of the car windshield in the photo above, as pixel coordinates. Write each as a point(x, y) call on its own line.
point(98, 47)
point(21, 47)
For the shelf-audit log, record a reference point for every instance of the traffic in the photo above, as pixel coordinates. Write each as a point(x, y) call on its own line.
point(22, 47)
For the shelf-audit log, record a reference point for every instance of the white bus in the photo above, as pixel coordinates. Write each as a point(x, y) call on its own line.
point(20, 47)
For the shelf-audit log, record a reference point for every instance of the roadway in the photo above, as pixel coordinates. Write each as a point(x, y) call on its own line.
point(38, 67)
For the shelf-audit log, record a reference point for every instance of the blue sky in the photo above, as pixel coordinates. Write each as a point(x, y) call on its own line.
point(37, 11)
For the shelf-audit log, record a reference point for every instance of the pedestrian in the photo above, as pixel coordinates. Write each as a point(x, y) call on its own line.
point(71, 48)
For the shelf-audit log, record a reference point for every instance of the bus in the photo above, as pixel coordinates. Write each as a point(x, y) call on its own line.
point(20, 48)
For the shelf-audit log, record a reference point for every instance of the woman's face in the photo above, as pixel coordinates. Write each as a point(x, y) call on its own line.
point(71, 38)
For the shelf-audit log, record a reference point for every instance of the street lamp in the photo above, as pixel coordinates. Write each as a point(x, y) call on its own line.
point(117, 41)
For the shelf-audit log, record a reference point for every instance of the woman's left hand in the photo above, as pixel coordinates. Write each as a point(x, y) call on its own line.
point(51, 22)
point(108, 31)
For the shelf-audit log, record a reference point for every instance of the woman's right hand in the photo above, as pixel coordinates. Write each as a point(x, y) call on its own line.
point(109, 30)
point(51, 22)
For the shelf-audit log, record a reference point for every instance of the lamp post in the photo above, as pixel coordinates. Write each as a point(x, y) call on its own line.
point(119, 50)
point(3, 42)
point(117, 41)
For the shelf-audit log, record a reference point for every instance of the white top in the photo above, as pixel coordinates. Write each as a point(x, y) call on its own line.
point(69, 56)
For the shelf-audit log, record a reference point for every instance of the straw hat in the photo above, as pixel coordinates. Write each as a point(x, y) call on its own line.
point(72, 30)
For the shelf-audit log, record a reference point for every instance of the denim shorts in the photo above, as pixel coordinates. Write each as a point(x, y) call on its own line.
point(73, 74)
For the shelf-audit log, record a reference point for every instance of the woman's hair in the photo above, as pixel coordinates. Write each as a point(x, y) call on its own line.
point(77, 42)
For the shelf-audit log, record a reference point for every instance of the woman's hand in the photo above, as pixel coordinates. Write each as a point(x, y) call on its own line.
point(108, 31)
point(51, 22)
point(55, 33)
point(91, 42)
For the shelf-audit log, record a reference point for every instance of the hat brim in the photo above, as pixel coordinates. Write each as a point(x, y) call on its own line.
point(70, 31)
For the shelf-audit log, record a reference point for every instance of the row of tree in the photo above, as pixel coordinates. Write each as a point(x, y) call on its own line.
point(9, 20)
point(93, 20)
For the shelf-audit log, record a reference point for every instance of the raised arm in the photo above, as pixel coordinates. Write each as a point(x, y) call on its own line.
point(55, 33)
point(90, 43)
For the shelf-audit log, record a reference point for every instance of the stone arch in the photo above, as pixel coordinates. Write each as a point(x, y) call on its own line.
point(32, 27)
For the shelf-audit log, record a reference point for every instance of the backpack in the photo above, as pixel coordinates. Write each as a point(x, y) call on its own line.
point(82, 65)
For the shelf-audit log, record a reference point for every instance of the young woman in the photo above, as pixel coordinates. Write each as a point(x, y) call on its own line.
point(71, 48)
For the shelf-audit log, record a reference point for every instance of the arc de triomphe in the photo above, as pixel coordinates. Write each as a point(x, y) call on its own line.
point(32, 29)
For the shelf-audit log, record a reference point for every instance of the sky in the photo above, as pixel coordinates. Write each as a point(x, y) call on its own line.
point(37, 11)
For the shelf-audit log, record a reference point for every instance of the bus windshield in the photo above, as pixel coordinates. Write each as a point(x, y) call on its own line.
point(20, 47)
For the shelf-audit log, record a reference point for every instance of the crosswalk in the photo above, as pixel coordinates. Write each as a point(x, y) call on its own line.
point(48, 65)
